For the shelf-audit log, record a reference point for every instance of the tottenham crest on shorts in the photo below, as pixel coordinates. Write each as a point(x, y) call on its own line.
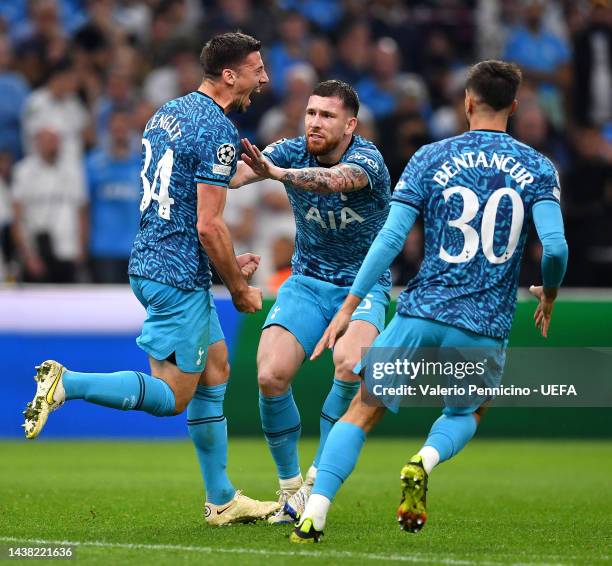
point(226, 153)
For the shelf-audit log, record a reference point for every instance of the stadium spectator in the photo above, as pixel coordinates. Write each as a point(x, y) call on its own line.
point(592, 93)
point(543, 57)
point(40, 41)
point(50, 213)
point(379, 90)
point(324, 14)
point(531, 126)
point(178, 77)
point(289, 50)
point(274, 219)
point(321, 57)
point(286, 120)
point(57, 106)
point(13, 93)
point(113, 179)
point(6, 212)
point(353, 52)
point(281, 251)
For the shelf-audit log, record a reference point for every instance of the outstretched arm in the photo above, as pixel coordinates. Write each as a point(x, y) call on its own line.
point(549, 225)
point(381, 254)
point(341, 178)
point(244, 176)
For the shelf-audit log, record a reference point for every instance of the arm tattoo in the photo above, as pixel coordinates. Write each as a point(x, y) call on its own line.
point(343, 178)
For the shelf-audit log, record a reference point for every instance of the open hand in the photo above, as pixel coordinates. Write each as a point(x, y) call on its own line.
point(543, 312)
point(261, 166)
point(337, 327)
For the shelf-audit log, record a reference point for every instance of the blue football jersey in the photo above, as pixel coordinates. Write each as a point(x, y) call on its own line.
point(335, 231)
point(189, 140)
point(475, 192)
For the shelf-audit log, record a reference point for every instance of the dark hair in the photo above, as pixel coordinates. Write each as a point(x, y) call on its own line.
point(495, 82)
point(226, 51)
point(342, 90)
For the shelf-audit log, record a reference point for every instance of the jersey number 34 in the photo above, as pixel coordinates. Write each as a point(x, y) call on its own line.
point(163, 171)
point(470, 235)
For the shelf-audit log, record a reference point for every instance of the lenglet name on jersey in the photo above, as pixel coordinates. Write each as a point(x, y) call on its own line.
point(167, 122)
point(468, 160)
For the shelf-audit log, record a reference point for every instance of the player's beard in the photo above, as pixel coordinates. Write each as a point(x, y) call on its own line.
point(321, 147)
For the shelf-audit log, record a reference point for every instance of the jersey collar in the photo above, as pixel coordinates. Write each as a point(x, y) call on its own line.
point(209, 98)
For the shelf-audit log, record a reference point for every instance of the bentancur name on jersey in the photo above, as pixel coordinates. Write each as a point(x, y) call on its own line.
point(505, 163)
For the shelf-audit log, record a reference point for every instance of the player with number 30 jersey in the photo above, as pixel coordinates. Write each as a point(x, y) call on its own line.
point(478, 194)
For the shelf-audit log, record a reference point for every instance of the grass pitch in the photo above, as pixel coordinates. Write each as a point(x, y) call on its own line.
point(499, 502)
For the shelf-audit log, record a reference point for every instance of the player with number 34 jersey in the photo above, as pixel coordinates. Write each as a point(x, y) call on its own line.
point(189, 154)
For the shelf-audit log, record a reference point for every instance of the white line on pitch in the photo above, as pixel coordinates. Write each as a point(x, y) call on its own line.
point(313, 554)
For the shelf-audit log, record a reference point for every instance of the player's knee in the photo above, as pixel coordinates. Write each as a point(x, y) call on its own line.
point(343, 367)
point(271, 383)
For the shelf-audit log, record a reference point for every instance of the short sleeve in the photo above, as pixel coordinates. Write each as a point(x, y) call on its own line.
point(548, 187)
point(410, 188)
point(217, 155)
point(371, 161)
point(278, 153)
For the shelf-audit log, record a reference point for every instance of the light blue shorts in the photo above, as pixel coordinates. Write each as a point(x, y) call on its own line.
point(305, 306)
point(179, 322)
point(409, 333)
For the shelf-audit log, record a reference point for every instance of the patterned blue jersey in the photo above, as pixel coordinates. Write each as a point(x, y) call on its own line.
point(335, 231)
point(476, 192)
point(189, 140)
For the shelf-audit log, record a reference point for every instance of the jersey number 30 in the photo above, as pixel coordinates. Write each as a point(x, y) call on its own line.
point(470, 235)
point(163, 171)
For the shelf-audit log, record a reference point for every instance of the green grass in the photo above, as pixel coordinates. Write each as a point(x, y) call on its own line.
point(499, 502)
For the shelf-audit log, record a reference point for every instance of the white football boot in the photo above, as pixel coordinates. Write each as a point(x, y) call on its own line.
point(284, 494)
point(295, 505)
point(241, 509)
point(50, 395)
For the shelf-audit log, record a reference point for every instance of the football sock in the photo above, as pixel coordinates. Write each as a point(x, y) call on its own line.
point(281, 425)
point(339, 458)
point(430, 457)
point(126, 390)
point(208, 430)
point(291, 484)
point(316, 509)
point(450, 433)
point(337, 402)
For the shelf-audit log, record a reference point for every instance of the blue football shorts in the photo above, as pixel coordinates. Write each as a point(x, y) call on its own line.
point(409, 333)
point(305, 306)
point(179, 322)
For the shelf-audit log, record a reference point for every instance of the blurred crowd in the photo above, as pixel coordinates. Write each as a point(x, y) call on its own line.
point(80, 78)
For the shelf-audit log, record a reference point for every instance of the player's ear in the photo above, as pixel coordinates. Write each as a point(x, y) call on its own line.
point(469, 103)
point(513, 107)
point(228, 76)
point(351, 124)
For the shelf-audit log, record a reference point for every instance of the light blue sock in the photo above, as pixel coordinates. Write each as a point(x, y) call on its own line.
point(208, 430)
point(337, 402)
point(339, 458)
point(126, 390)
point(450, 433)
point(280, 421)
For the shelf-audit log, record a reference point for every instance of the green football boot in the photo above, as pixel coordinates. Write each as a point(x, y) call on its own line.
point(305, 533)
point(412, 511)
